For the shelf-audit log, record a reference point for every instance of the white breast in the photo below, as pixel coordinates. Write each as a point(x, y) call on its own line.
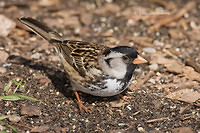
point(111, 87)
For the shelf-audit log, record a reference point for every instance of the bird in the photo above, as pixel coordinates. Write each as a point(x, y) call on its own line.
point(92, 68)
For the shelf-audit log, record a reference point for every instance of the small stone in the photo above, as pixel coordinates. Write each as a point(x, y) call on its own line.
point(74, 127)
point(2, 70)
point(158, 43)
point(121, 124)
point(141, 129)
point(149, 50)
point(153, 67)
point(36, 56)
point(14, 118)
point(30, 110)
point(129, 107)
point(3, 56)
point(6, 26)
point(7, 65)
point(87, 121)
point(152, 81)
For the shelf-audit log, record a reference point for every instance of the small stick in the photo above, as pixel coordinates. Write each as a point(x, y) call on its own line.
point(146, 78)
point(22, 125)
point(158, 119)
point(172, 17)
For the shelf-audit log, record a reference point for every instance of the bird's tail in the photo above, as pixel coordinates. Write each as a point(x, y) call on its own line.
point(41, 29)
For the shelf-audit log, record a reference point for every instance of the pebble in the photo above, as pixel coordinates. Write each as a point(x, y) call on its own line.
point(14, 118)
point(141, 129)
point(149, 50)
point(3, 56)
point(158, 43)
point(138, 70)
point(7, 25)
point(7, 64)
point(152, 81)
point(153, 67)
point(129, 107)
point(2, 70)
point(121, 124)
point(36, 56)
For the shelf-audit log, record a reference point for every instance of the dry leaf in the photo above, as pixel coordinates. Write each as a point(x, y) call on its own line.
point(117, 104)
point(186, 95)
point(182, 130)
point(175, 66)
point(189, 73)
point(40, 129)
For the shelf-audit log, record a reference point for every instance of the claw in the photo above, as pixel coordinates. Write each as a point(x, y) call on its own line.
point(124, 98)
point(80, 105)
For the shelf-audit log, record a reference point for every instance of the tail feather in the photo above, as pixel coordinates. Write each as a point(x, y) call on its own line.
point(41, 29)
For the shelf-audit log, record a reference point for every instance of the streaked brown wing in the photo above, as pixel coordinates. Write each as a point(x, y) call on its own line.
point(81, 55)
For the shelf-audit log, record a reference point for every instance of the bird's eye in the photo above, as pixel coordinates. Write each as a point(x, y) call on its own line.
point(125, 58)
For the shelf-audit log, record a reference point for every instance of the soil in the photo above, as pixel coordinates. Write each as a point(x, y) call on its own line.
point(112, 23)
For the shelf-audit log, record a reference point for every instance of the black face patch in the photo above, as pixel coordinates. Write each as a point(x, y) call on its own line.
point(108, 61)
point(130, 52)
point(107, 52)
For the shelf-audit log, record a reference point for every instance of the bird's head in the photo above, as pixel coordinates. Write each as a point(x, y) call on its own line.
point(121, 60)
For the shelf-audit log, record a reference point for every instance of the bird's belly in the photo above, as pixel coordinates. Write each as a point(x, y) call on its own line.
point(109, 87)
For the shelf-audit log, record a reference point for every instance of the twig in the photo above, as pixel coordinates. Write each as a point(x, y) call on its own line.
point(184, 109)
point(22, 125)
point(146, 78)
point(158, 119)
point(171, 18)
point(136, 113)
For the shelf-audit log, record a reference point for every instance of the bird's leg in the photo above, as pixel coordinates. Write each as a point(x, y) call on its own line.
point(80, 105)
point(124, 98)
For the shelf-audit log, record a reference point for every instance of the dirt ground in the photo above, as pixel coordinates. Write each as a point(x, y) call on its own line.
point(165, 93)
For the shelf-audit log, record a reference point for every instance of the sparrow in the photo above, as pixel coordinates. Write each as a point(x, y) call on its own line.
point(91, 68)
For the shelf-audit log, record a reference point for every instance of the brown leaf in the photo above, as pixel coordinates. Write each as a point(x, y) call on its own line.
point(40, 129)
point(189, 73)
point(182, 130)
point(186, 95)
point(116, 104)
point(30, 110)
point(175, 66)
